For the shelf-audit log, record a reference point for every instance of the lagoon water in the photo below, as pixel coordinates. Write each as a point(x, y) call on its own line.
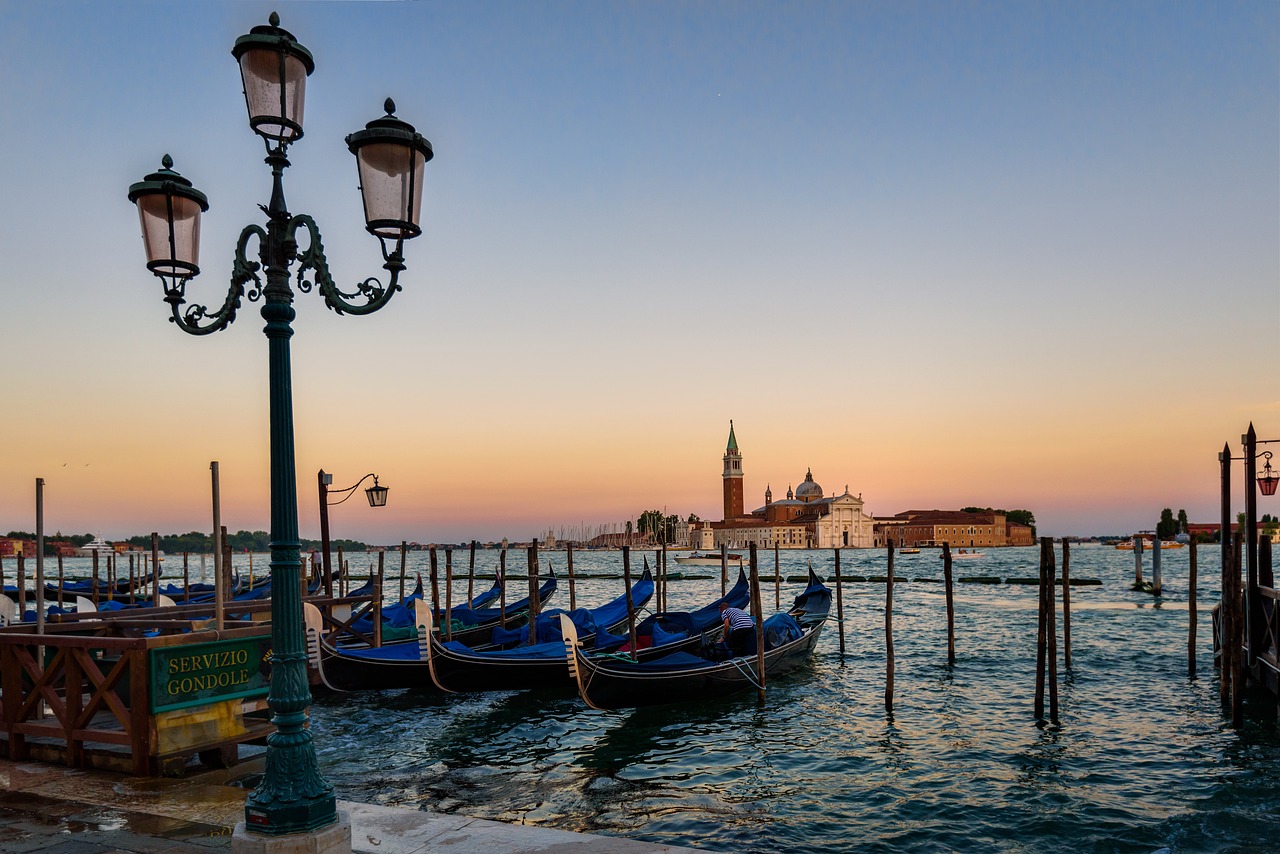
point(1143, 759)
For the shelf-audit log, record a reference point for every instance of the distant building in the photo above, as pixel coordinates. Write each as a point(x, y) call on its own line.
point(806, 518)
point(953, 527)
point(12, 547)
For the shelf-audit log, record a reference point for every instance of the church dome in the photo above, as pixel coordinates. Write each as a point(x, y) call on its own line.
point(809, 490)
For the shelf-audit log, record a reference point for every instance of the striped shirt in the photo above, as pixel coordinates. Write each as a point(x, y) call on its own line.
point(738, 619)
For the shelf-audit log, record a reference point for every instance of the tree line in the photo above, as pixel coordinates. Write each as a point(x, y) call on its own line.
point(196, 542)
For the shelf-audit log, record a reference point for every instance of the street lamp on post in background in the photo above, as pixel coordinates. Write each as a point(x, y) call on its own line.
point(391, 156)
point(376, 494)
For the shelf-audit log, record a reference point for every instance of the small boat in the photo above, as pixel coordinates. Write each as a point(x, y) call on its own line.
point(686, 676)
point(911, 551)
point(708, 559)
point(964, 553)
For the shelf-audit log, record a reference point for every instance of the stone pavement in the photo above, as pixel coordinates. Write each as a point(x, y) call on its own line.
point(58, 810)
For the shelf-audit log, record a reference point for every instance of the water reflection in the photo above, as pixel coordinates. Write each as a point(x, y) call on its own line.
point(1142, 760)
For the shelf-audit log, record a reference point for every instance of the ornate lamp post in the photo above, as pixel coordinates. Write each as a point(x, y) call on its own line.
point(391, 156)
point(377, 496)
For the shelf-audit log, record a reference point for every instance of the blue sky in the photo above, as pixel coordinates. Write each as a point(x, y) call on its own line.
point(1019, 254)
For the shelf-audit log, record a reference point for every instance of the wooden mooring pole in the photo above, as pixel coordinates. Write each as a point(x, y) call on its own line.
point(777, 578)
point(573, 599)
point(888, 632)
point(724, 569)
point(533, 593)
point(1041, 640)
point(757, 613)
point(448, 594)
point(404, 556)
point(1157, 580)
point(951, 605)
point(631, 605)
point(1191, 609)
point(377, 602)
point(1066, 603)
point(502, 591)
point(471, 575)
point(434, 577)
point(1137, 561)
point(839, 603)
point(1051, 626)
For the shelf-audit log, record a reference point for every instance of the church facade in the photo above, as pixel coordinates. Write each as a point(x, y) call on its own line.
point(807, 518)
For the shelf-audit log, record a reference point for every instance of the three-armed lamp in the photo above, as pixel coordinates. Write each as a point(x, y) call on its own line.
point(390, 157)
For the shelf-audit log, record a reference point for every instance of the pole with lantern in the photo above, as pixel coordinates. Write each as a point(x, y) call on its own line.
point(377, 496)
point(391, 156)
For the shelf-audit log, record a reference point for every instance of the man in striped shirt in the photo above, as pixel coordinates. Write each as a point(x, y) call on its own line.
point(739, 630)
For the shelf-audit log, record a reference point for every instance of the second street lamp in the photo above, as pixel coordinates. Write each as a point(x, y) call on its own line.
point(293, 795)
point(377, 496)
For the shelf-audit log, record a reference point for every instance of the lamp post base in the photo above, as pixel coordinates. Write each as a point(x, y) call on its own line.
point(331, 839)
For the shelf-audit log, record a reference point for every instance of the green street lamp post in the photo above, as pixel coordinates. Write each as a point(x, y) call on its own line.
point(293, 795)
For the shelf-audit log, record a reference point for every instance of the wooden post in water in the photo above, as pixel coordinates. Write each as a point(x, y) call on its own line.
point(1156, 581)
point(533, 593)
point(111, 577)
point(1224, 543)
point(724, 569)
point(657, 577)
point(1191, 609)
point(343, 571)
point(155, 569)
point(377, 602)
point(777, 577)
point(573, 599)
point(502, 591)
point(22, 586)
point(59, 579)
point(1237, 641)
point(757, 613)
point(888, 632)
point(404, 555)
point(471, 575)
point(662, 606)
point(448, 594)
point(1051, 627)
point(133, 581)
point(1066, 603)
point(1041, 638)
point(839, 603)
point(186, 577)
point(951, 605)
point(96, 576)
point(631, 605)
point(1137, 561)
point(434, 576)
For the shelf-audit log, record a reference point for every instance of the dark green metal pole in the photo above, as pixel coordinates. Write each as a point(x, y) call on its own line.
point(293, 796)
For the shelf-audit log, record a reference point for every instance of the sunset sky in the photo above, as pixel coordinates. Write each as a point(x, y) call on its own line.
point(1009, 254)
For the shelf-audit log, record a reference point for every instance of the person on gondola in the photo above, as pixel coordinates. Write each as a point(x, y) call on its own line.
point(739, 630)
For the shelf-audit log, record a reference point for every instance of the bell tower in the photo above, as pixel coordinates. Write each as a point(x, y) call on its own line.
point(732, 478)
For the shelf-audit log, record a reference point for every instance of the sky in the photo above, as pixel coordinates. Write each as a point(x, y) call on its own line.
point(1020, 255)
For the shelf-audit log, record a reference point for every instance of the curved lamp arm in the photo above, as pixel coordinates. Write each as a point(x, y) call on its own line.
point(371, 290)
point(192, 319)
point(351, 490)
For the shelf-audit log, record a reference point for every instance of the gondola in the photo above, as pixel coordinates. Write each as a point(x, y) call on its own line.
point(542, 665)
point(407, 664)
point(611, 683)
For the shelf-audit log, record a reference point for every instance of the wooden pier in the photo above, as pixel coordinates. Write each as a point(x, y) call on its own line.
point(144, 691)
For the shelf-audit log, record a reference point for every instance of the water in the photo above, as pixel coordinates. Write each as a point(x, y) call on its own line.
point(1143, 759)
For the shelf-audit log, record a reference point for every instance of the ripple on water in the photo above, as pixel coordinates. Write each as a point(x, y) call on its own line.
point(1142, 760)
